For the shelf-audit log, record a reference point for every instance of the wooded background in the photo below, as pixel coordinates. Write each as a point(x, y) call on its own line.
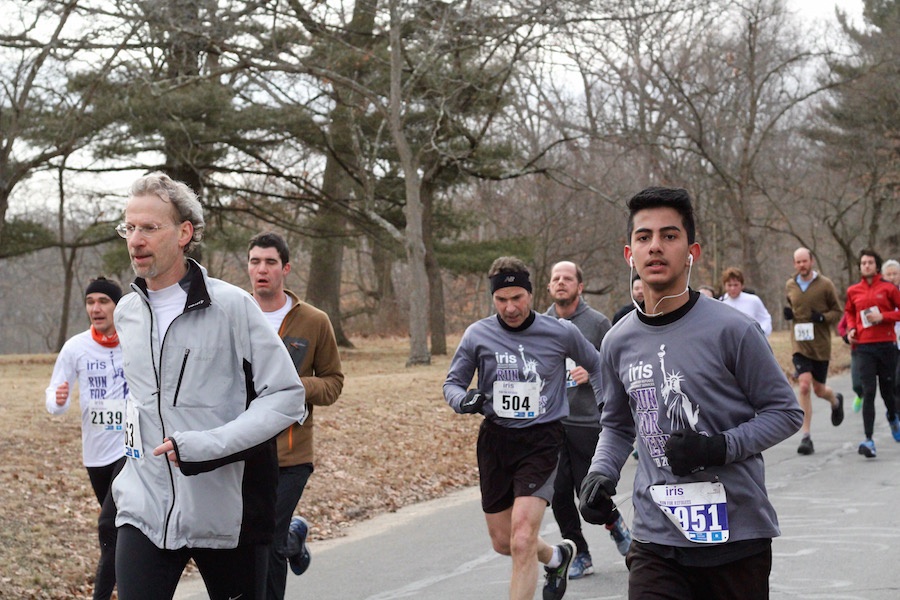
point(402, 145)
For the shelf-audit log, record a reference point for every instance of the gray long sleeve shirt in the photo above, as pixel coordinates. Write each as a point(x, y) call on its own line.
point(709, 368)
point(535, 354)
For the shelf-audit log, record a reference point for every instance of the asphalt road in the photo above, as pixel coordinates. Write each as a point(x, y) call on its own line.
point(839, 515)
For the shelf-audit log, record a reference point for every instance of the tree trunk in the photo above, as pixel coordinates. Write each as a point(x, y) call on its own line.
point(4, 206)
point(436, 309)
point(436, 318)
point(415, 252)
point(327, 256)
point(69, 277)
point(330, 225)
point(67, 261)
point(387, 310)
point(415, 247)
point(741, 208)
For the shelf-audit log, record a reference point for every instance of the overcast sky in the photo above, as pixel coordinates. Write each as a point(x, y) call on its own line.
point(825, 8)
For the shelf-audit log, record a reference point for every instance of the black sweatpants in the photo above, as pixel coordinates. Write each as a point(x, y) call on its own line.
point(575, 457)
point(652, 577)
point(876, 364)
point(145, 572)
point(101, 481)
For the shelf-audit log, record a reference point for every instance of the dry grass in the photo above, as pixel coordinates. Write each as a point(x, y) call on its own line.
point(389, 441)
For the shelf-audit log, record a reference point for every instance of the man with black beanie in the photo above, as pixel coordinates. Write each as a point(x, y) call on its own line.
point(93, 358)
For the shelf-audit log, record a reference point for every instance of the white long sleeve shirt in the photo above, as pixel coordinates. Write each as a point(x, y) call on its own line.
point(97, 370)
point(752, 306)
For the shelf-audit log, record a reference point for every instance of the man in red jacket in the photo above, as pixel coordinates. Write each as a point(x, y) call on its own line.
point(872, 308)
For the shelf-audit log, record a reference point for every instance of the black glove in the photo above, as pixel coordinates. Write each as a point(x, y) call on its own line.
point(473, 402)
point(688, 451)
point(596, 498)
point(817, 317)
point(846, 339)
point(788, 313)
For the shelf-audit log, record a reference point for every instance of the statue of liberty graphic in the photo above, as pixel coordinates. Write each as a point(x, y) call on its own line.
point(529, 368)
point(679, 409)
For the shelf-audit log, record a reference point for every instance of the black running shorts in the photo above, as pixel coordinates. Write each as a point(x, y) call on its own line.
point(818, 368)
point(517, 462)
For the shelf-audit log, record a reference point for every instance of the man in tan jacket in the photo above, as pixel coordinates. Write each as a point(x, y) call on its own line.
point(309, 338)
point(814, 308)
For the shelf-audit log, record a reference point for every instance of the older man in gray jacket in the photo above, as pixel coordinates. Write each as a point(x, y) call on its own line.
point(582, 427)
point(211, 385)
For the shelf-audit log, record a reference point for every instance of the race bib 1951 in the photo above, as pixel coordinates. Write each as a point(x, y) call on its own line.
point(699, 510)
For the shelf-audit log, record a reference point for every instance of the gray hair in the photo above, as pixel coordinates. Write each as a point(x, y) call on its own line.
point(182, 198)
point(890, 263)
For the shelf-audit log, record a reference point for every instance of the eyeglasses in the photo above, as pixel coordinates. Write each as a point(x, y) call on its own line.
point(126, 230)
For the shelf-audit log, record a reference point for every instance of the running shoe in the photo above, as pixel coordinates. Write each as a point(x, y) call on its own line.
point(581, 566)
point(867, 449)
point(297, 552)
point(837, 412)
point(806, 446)
point(895, 427)
point(618, 531)
point(857, 404)
point(557, 577)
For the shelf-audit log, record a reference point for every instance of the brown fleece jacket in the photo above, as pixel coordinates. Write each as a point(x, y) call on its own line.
point(820, 297)
point(309, 337)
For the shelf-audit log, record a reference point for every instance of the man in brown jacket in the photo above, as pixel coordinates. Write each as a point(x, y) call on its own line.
point(309, 337)
point(813, 306)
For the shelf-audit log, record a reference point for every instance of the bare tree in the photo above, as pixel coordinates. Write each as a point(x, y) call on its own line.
point(41, 118)
point(857, 134)
point(712, 92)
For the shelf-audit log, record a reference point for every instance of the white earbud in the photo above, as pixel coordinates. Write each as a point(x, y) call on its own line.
point(690, 259)
point(631, 260)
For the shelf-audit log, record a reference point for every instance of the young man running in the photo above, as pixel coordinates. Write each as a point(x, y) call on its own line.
point(93, 359)
point(697, 382)
point(309, 338)
point(872, 308)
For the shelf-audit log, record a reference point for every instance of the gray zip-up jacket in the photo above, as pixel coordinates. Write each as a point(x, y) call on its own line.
point(221, 386)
